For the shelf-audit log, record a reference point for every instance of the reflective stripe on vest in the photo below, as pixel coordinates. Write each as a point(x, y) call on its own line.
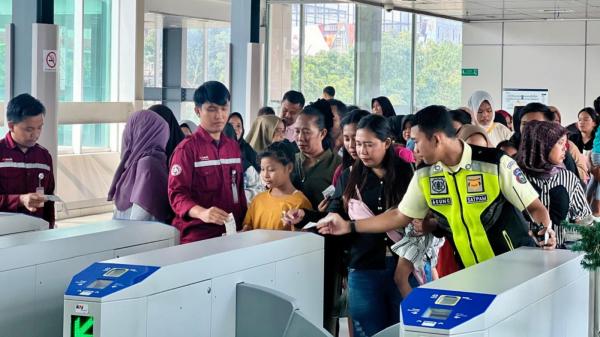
point(461, 198)
point(12, 164)
point(217, 162)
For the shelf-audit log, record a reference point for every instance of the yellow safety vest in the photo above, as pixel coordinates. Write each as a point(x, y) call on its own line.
point(465, 201)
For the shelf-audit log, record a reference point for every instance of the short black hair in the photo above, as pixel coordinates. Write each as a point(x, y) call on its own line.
point(279, 151)
point(329, 90)
point(266, 110)
point(506, 143)
point(538, 107)
point(212, 92)
point(434, 118)
point(461, 116)
point(341, 107)
point(294, 97)
point(24, 106)
point(597, 104)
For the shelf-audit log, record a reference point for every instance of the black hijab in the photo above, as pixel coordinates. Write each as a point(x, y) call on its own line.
point(248, 153)
point(175, 133)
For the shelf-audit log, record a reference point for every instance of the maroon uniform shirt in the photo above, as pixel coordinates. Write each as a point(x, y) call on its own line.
point(207, 173)
point(19, 174)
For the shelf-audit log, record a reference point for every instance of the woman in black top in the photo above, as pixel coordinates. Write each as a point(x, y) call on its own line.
point(587, 124)
point(380, 180)
point(382, 106)
point(248, 154)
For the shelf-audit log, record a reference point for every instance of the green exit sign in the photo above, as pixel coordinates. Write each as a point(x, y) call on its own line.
point(470, 72)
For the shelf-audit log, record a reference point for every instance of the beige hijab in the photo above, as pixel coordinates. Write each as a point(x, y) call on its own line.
point(468, 130)
point(261, 132)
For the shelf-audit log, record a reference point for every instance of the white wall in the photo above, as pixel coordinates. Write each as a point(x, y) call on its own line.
point(561, 56)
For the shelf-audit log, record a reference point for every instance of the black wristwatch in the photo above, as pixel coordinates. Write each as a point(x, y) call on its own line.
point(352, 226)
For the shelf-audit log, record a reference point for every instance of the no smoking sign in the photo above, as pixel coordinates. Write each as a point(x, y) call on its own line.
point(50, 60)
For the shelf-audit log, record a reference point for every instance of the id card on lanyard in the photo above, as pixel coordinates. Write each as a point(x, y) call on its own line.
point(234, 188)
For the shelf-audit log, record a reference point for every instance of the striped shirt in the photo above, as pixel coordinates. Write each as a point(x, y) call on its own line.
point(578, 207)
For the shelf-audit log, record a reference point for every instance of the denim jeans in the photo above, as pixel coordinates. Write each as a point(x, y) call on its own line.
point(374, 299)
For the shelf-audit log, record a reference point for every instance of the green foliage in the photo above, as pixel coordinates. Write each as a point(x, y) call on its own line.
point(438, 74)
point(329, 68)
point(438, 79)
point(396, 67)
point(589, 244)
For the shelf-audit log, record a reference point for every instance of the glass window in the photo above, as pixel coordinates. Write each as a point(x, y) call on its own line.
point(96, 50)
point(438, 62)
point(328, 55)
point(65, 135)
point(5, 18)
point(153, 43)
point(396, 63)
point(284, 51)
point(95, 136)
point(218, 52)
point(64, 16)
point(207, 54)
point(196, 68)
point(187, 112)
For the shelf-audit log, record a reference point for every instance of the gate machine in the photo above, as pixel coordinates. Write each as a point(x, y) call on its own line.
point(528, 292)
point(190, 290)
point(11, 223)
point(36, 267)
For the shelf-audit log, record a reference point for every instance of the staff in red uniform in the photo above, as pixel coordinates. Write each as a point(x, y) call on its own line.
point(206, 175)
point(26, 167)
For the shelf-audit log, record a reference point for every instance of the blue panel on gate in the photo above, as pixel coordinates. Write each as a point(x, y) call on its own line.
point(442, 309)
point(101, 279)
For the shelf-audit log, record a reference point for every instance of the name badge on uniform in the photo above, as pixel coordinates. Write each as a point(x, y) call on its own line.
point(475, 183)
point(441, 201)
point(475, 199)
point(437, 185)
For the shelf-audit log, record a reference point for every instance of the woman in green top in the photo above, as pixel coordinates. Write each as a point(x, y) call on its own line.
point(313, 173)
point(316, 162)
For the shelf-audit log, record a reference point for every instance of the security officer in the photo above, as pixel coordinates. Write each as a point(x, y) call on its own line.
point(26, 175)
point(473, 193)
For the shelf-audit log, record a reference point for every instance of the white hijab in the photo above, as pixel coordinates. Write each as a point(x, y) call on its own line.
point(191, 125)
point(474, 103)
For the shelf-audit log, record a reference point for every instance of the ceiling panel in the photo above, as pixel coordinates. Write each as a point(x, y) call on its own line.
point(491, 10)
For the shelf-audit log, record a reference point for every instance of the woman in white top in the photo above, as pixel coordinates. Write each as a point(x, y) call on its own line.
point(483, 114)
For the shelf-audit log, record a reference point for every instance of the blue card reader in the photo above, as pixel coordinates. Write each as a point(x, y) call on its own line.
point(102, 279)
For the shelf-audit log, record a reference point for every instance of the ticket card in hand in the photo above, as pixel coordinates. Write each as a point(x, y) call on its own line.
point(329, 192)
point(230, 225)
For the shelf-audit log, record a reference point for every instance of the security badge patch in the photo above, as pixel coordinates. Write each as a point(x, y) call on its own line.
point(437, 186)
point(475, 183)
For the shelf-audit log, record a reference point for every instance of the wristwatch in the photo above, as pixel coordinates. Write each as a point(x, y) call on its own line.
point(352, 226)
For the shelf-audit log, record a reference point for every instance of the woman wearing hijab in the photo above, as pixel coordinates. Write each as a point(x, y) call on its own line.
point(175, 133)
point(574, 160)
point(474, 135)
point(139, 187)
point(541, 155)
point(187, 127)
point(248, 153)
point(265, 130)
point(482, 111)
